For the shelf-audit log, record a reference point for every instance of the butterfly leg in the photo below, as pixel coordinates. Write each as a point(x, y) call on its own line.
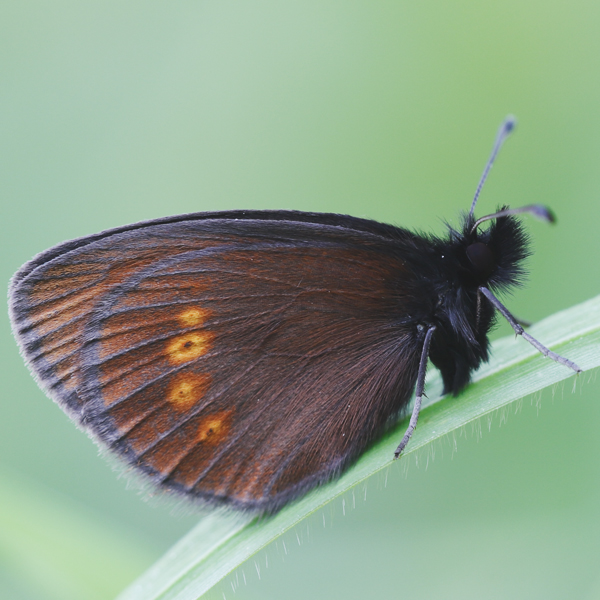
point(419, 392)
point(522, 322)
point(520, 331)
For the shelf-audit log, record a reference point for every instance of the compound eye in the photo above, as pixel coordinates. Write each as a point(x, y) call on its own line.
point(481, 258)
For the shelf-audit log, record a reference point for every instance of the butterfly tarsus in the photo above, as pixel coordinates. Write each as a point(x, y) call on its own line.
point(520, 331)
point(419, 392)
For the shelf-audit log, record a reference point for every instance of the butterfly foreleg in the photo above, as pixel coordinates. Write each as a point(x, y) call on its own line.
point(419, 392)
point(520, 331)
point(522, 322)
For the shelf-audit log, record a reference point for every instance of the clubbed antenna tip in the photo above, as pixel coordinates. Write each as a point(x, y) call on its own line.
point(510, 123)
point(539, 211)
point(507, 126)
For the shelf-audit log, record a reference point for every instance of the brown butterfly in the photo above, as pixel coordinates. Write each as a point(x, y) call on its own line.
point(244, 357)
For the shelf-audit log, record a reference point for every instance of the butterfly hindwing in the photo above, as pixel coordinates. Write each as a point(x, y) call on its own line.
point(234, 360)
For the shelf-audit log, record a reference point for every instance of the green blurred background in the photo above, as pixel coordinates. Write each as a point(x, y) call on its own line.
point(115, 112)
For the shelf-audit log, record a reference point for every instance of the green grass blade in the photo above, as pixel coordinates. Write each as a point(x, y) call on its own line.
point(222, 542)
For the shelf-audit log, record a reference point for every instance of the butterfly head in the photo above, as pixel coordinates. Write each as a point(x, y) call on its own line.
point(494, 256)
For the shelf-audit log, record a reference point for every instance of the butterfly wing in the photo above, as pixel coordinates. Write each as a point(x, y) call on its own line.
point(238, 358)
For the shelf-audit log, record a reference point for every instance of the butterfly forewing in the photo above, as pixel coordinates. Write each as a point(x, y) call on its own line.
point(240, 361)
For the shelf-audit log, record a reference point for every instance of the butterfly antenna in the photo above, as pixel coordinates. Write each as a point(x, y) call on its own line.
point(507, 126)
point(541, 212)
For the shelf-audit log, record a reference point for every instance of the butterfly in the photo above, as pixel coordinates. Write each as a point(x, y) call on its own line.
point(242, 358)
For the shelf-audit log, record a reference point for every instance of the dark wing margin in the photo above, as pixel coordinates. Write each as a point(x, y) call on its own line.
point(239, 360)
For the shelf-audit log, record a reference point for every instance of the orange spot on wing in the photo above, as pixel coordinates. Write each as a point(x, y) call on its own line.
point(193, 316)
point(188, 346)
point(214, 428)
point(187, 389)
